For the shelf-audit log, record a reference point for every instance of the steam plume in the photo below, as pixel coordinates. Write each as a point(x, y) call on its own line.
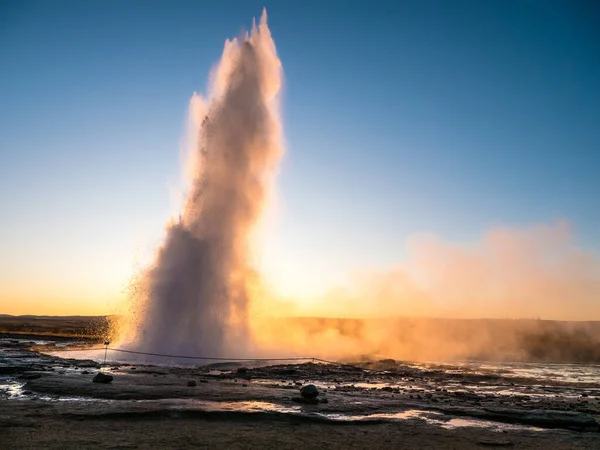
point(510, 273)
point(450, 301)
point(195, 298)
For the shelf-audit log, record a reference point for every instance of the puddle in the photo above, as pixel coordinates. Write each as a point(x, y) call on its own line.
point(238, 406)
point(12, 388)
point(436, 418)
point(427, 416)
point(487, 424)
point(545, 372)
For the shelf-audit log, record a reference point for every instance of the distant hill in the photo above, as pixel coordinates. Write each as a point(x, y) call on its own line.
point(68, 326)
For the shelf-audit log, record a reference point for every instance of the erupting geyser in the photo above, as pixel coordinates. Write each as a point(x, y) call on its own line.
point(194, 299)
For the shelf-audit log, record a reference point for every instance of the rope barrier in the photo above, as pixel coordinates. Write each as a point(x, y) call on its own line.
point(212, 358)
point(209, 358)
point(164, 355)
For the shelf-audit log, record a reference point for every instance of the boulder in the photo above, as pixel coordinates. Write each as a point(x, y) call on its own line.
point(102, 378)
point(191, 383)
point(309, 391)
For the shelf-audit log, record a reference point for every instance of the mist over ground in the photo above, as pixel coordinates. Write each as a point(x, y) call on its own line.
point(409, 339)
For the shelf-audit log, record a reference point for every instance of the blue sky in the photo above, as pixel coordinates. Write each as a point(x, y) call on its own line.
point(400, 118)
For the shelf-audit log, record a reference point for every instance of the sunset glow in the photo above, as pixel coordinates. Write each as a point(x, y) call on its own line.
point(457, 185)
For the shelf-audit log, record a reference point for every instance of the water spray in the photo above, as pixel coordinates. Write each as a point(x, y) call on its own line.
point(195, 297)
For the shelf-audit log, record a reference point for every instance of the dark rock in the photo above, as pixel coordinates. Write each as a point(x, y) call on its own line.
point(324, 400)
point(102, 378)
point(191, 383)
point(85, 372)
point(242, 370)
point(30, 376)
point(309, 391)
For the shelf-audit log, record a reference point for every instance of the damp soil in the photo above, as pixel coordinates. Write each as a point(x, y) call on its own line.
point(47, 401)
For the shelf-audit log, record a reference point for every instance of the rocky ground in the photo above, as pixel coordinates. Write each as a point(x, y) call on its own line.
point(52, 402)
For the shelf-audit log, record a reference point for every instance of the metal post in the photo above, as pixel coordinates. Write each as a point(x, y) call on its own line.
point(106, 344)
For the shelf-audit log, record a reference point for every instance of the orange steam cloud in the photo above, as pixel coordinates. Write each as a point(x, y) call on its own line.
point(482, 300)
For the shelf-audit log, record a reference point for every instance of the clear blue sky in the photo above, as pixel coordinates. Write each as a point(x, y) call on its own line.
point(400, 117)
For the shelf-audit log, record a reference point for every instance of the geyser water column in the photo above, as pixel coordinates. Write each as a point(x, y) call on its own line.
point(194, 299)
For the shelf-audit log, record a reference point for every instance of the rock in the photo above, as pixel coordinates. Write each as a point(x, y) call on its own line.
point(309, 391)
point(191, 383)
point(242, 370)
point(102, 378)
point(306, 401)
point(30, 376)
point(324, 400)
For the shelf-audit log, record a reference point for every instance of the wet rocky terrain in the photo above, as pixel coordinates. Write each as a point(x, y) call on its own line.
point(471, 404)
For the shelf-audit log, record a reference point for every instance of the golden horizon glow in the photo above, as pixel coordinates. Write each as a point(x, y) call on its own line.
point(524, 273)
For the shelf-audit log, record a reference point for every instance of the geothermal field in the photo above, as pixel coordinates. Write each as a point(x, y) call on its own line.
point(547, 395)
point(203, 353)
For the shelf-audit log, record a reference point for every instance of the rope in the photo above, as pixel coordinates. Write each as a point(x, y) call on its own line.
point(212, 358)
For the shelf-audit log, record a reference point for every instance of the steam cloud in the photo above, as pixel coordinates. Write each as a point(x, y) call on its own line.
point(536, 272)
point(195, 298)
point(450, 301)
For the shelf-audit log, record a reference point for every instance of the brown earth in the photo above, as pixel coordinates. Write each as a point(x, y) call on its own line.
point(36, 425)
